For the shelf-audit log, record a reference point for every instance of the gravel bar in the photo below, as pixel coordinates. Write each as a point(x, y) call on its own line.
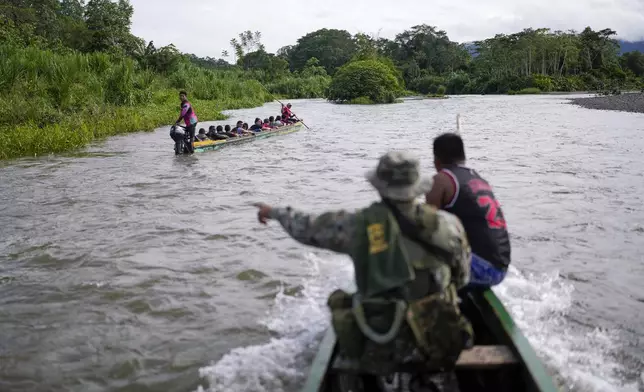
point(629, 102)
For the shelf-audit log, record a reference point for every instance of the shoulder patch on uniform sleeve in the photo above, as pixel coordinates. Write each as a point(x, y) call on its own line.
point(376, 234)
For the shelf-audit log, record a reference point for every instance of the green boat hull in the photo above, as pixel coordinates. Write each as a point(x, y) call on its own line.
point(502, 359)
point(211, 145)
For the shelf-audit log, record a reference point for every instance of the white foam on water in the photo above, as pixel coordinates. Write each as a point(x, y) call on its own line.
point(299, 323)
point(581, 355)
point(538, 304)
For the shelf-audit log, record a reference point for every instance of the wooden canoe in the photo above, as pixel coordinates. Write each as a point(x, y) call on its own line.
point(208, 145)
point(502, 359)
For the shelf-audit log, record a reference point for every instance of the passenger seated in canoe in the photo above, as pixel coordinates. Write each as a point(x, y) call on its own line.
point(239, 127)
point(271, 122)
point(257, 126)
point(409, 260)
point(278, 121)
point(463, 192)
point(228, 132)
point(266, 125)
point(217, 133)
point(201, 136)
point(212, 132)
point(241, 131)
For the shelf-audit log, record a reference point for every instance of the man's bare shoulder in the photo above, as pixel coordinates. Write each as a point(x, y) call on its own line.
point(437, 195)
point(442, 178)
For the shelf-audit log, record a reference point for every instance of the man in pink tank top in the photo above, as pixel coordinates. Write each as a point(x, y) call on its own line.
point(189, 117)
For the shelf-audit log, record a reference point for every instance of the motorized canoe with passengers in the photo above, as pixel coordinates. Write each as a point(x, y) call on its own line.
point(208, 145)
point(502, 360)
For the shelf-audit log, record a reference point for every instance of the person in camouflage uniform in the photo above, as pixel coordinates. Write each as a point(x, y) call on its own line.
point(409, 259)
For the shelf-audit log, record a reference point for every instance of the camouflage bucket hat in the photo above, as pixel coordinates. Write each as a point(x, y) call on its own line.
point(397, 177)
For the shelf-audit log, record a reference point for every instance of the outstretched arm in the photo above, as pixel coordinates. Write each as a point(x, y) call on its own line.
point(330, 230)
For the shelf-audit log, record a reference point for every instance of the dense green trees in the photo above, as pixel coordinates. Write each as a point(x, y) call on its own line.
point(364, 81)
point(562, 61)
point(333, 48)
point(531, 59)
point(99, 25)
point(422, 58)
point(634, 62)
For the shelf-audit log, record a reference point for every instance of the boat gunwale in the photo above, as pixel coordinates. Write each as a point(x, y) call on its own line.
point(516, 340)
point(320, 365)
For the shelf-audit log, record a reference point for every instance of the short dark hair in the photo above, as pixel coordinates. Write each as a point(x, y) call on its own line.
point(219, 128)
point(183, 92)
point(227, 128)
point(271, 119)
point(449, 149)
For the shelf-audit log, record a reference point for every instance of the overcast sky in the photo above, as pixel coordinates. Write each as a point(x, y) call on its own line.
point(205, 27)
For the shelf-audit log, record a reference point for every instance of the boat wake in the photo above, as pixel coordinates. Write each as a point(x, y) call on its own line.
point(580, 357)
point(281, 364)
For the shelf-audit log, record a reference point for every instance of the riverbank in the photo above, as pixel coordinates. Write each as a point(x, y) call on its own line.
point(29, 139)
point(628, 102)
point(56, 100)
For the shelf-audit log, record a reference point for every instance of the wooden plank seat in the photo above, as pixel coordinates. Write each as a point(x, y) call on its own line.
point(478, 357)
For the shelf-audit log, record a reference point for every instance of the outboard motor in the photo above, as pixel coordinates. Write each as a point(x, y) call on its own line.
point(178, 134)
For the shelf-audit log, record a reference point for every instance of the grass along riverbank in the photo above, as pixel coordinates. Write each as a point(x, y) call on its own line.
point(52, 102)
point(29, 139)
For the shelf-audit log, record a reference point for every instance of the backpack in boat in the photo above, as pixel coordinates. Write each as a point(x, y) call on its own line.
point(441, 331)
point(439, 328)
point(405, 299)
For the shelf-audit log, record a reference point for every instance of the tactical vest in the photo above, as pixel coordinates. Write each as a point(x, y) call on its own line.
point(405, 296)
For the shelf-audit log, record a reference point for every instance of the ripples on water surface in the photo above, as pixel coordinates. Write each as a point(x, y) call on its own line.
point(125, 268)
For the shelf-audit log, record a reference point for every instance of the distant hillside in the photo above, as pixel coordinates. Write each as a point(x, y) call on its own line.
point(626, 46)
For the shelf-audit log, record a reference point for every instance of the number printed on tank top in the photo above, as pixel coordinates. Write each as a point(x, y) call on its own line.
point(493, 206)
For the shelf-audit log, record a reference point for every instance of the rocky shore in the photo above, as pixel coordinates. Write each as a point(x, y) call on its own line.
point(629, 102)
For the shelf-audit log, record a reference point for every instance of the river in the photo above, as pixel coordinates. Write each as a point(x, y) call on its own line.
point(125, 268)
